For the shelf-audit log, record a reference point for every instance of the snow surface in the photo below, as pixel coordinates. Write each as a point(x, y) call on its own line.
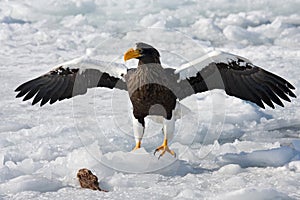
point(226, 148)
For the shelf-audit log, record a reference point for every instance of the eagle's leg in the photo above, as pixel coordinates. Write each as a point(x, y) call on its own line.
point(164, 148)
point(138, 131)
point(168, 129)
point(137, 145)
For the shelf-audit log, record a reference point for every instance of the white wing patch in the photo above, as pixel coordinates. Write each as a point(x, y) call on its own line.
point(192, 68)
point(83, 63)
point(186, 70)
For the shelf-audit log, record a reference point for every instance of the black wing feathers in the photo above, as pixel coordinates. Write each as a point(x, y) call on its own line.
point(247, 82)
point(62, 83)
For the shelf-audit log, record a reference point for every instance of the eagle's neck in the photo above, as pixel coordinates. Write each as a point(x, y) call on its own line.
point(149, 73)
point(149, 65)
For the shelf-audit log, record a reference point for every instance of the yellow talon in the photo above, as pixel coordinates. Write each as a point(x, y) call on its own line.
point(137, 146)
point(164, 148)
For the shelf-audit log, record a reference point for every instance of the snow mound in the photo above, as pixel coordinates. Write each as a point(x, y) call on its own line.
point(254, 193)
point(141, 161)
point(30, 183)
point(260, 158)
point(230, 169)
point(138, 161)
point(236, 33)
point(294, 166)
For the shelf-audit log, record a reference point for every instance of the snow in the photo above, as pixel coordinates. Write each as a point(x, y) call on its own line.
point(226, 148)
point(252, 193)
point(261, 158)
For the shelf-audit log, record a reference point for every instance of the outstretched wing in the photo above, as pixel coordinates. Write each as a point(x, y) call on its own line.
point(72, 78)
point(237, 76)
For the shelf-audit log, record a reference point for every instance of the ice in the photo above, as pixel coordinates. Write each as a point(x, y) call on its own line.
point(296, 144)
point(295, 166)
point(226, 148)
point(253, 193)
point(30, 183)
point(261, 158)
point(230, 169)
point(188, 194)
point(236, 33)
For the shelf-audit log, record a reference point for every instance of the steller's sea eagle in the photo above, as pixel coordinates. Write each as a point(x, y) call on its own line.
point(155, 90)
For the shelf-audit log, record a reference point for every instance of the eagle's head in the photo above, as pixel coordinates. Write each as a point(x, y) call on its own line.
point(145, 53)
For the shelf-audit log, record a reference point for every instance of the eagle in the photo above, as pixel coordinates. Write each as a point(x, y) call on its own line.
point(155, 90)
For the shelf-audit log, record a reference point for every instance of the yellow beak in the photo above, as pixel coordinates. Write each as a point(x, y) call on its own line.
point(131, 53)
